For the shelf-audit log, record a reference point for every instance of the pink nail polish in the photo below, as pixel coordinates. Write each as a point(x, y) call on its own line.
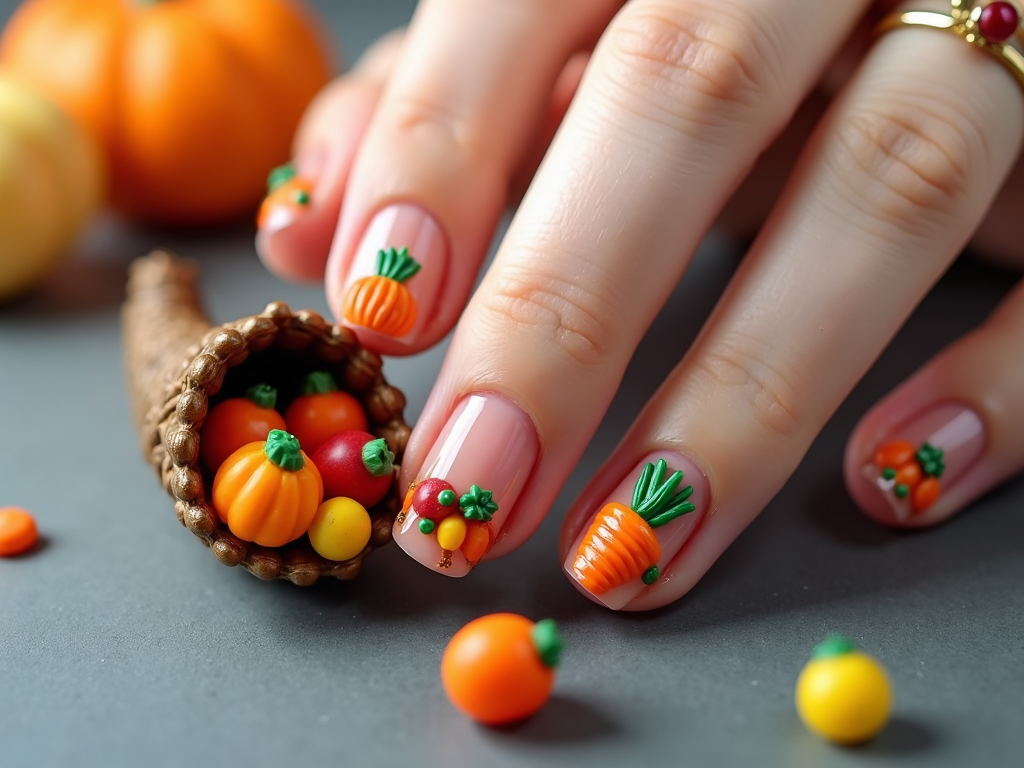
point(468, 485)
point(634, 536)
point(921, 457)
point(396, 275)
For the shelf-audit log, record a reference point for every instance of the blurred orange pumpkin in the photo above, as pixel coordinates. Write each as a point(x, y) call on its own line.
point(193, 101)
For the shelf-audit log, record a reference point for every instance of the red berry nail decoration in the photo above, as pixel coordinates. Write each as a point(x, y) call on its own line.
point(998, 22)
point(911, 473)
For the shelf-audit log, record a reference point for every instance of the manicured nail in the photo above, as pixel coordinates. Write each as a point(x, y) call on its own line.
point(929, 452)
point(640, 527)
point(468, 485)
point(289, 192)
point(396, 274)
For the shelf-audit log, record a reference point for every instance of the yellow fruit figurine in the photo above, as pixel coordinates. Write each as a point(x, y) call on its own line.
point(843, 694)
point(340, 529)
point(50, 182)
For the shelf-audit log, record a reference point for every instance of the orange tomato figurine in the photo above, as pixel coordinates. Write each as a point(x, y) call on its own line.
point(323, 410)
point(18, 533)
point(236, 422)
point(501, 668)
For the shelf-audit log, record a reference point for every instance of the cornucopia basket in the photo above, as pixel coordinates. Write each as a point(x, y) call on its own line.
point(178, 367)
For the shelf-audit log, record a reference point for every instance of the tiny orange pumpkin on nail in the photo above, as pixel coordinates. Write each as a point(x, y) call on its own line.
point(381, 302)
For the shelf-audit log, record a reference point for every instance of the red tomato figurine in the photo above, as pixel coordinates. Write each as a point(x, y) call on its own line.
point(355, 465)
point(435, 499)
point(236, 422)
point(322, 410)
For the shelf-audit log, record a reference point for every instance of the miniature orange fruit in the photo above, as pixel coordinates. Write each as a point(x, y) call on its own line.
point(284, 189)
point(381, 302)
point(323, 410)
point(18, 532)
point(238, 421)
point(501, 668)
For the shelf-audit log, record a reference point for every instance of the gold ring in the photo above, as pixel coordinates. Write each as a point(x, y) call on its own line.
point(993, 27)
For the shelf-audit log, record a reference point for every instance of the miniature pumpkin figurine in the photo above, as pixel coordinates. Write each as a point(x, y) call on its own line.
point(191, 101)
point(285, 189)
point(268, 492)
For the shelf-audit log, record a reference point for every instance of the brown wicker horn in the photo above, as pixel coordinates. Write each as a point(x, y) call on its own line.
point(176, 363)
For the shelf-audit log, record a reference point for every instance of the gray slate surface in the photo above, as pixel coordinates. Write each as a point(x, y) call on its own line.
point(124, 643)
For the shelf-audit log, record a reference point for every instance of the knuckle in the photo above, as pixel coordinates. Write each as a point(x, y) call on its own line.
point(770, 393)
point(703, 51)
point(909, 167)
point(432, 123)
point(565, 316)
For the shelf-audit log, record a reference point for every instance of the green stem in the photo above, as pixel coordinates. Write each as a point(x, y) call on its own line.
point(319, 383)
point(655, 498)
point(377, 459)
point(396, 265)
point(283, 450)
point(835, 645)
point(262, 395)
point(547, 642)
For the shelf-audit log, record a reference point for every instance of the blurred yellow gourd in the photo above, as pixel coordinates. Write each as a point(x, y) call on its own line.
point(50, 182)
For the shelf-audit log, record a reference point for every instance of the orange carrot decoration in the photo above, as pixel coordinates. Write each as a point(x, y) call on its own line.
point(284, 188)
point(911, 472)
point(620, 544)
point(381, 302)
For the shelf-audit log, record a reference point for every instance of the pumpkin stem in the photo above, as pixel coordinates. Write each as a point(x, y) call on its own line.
point(283, 450)
point(547, 642)
point(835, 645)
point(278, 176)
point(262, 395)
point(396, 265)
point(377, 459)
point(319, 383)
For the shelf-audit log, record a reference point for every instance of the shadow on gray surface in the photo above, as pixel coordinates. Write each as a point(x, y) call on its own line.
point(902, 736)
point(563, 720)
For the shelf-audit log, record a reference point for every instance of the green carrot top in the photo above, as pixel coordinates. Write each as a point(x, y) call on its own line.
point(280, 175)
point(653, 497)
point(931, 460)
point(396, 265)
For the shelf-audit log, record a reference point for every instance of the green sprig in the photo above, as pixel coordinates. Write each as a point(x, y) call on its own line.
point(396, 265)
point(478, 504)
point(280, 175)
point(653, 497)
point(931, 460)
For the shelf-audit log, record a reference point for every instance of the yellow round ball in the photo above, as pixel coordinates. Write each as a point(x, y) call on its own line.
point(846, 697)
point(340, 529)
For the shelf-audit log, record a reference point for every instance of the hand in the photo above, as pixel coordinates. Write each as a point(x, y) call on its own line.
point(865, 198)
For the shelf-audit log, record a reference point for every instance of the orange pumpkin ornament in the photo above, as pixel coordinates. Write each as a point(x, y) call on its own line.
point(284, 189)
point(192, 100)
point(381, 302)
point(268, 492)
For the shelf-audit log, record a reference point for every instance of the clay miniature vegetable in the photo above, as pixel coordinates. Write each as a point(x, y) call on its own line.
point(340, 529)
point(268, 492)
point(284, 189)
point(18, 533)
point(356, 465)
point(912, 472)
point(501, 668)
point(381, 302)
point(620, 544)
point(50, 182)
point(192, 102)
point(236, 422)
point(323, 410)
point(434, 499)
point(478, 541)
point(843, 694)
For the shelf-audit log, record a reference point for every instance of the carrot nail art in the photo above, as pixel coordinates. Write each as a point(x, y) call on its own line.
point(380, 302)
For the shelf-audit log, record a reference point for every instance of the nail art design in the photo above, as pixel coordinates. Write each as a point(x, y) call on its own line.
point(470, 482)
point(457, 526)
point(381, 302)
point(620, 545)
point(910, 474)
point(287, 192)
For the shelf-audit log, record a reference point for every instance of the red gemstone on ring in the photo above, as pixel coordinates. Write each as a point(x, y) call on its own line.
point(998, 22)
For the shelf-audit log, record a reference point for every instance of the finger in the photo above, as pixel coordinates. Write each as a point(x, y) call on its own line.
point(461, 111)
point(297, 220)
point(678, 101)
point(964, 409)
point(889, 190)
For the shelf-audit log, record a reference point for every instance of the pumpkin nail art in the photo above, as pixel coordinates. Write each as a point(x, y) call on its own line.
point(287, 194)
point(392, 284)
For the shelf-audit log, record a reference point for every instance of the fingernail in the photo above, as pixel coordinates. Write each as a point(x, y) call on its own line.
point(289, 192)
point(639, 528)
point(910, 468)
point(469, 484)
point(396, 274)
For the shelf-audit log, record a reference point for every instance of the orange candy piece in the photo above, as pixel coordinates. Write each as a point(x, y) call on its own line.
point(909, 475)
point(18, 533)
point(925, 494)
point(492, 670)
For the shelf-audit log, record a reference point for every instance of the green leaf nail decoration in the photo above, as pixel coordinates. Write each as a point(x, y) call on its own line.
point(396, 265)
point(280, 175)
point(653, 497)
point(478, 504)
point(931, 460)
